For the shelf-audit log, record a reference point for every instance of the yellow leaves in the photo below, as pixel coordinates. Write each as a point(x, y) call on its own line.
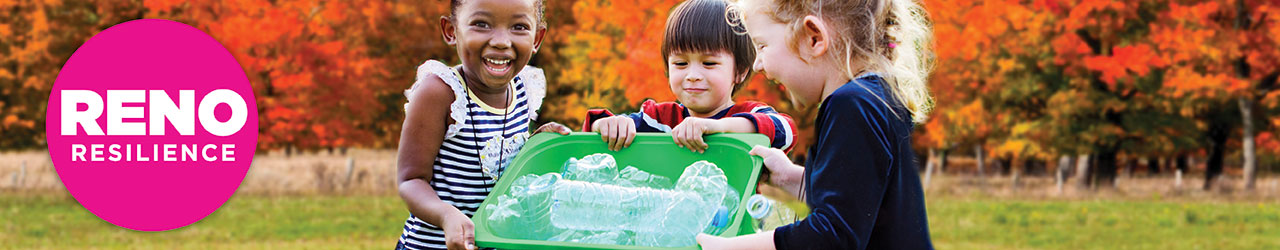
point(1007, 64)
point(1022, 128)
point(970, 119)
point(1014, 148)
point(1021, 141)
point(1064, 104)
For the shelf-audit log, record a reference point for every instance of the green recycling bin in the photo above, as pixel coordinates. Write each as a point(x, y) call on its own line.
point(655, 153)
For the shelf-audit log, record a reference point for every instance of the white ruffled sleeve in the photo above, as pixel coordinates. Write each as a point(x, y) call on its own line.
point(457, 109)
point(535, 83)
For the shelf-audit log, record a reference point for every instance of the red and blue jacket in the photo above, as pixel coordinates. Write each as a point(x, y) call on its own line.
point(661, 117)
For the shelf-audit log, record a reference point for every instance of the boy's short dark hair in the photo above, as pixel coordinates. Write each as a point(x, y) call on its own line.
point(700, 26)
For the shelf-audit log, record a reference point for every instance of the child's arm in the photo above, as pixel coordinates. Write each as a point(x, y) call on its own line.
point(553, 127)
point(761, 119)
point(688, 133)
point(779, 127)
point(425, 122)
point(782, 172)
point(758, 241)
point(619, 130)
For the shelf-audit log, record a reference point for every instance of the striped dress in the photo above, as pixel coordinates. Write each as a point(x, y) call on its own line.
point(476, 146)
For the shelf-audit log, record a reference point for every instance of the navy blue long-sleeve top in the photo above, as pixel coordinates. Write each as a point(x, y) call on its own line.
point(861, 184)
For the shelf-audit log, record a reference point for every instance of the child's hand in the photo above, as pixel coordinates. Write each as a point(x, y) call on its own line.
point(783, 173)
point(554, 128)
point(459, 232)
point(688, 133)
point(759, 240)
point(617, 131)
point(708, 242)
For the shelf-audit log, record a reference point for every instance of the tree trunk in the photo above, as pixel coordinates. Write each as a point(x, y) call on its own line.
point(1218, 147)
point(1060, 174)
point(1246, 105)
point(1181, 163)
point(977, 153)
point(1083, 177)
point(1105, 173)
point(1004, 165)
point(1015, 177)
point(1130, 165)
point(1177, 178)
point(942, 161)
point(1153, 166)
point(928, 167)
point(1250, 155)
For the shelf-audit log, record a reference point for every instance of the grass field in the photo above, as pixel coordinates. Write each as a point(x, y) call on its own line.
point(245, 222)
point(361, 222)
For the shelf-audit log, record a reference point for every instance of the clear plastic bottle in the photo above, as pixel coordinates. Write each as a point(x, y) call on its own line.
point(768, 214)
point(598, 168)
point(523, 212)
point(616, 237)
point(634, 177)
point(579, 205)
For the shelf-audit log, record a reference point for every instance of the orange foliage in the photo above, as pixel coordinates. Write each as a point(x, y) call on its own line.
point(330, 73)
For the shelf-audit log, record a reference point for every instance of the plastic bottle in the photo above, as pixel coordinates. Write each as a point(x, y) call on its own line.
point(634, 177)
point(578, 205)
point(768, 214)
point(598, 168)
point(616, 237)
point(523, 212)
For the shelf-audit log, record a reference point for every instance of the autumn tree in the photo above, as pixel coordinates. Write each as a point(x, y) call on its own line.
point(1234, 75)
point(36, 38)
point(1107, 78)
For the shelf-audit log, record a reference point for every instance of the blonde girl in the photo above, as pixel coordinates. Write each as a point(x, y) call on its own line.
point(865, 63)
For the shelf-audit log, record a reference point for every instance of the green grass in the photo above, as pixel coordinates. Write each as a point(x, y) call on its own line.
point(246, 221)
point(344, 222)
point(979, 223)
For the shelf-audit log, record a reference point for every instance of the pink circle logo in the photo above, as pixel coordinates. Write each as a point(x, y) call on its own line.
point(152, 125)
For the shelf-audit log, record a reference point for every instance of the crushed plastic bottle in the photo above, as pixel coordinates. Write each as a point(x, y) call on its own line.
point(616, 237)
point(526, 204)
point(599, 168)
point(634, 177)
point(768, 214)
point(592, 206)
point(709, 181)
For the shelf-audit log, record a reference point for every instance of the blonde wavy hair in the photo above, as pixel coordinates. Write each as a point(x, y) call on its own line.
point(891, 37)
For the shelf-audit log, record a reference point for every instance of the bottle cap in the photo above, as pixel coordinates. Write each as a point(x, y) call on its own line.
point(758, 206)
point(721, 218)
